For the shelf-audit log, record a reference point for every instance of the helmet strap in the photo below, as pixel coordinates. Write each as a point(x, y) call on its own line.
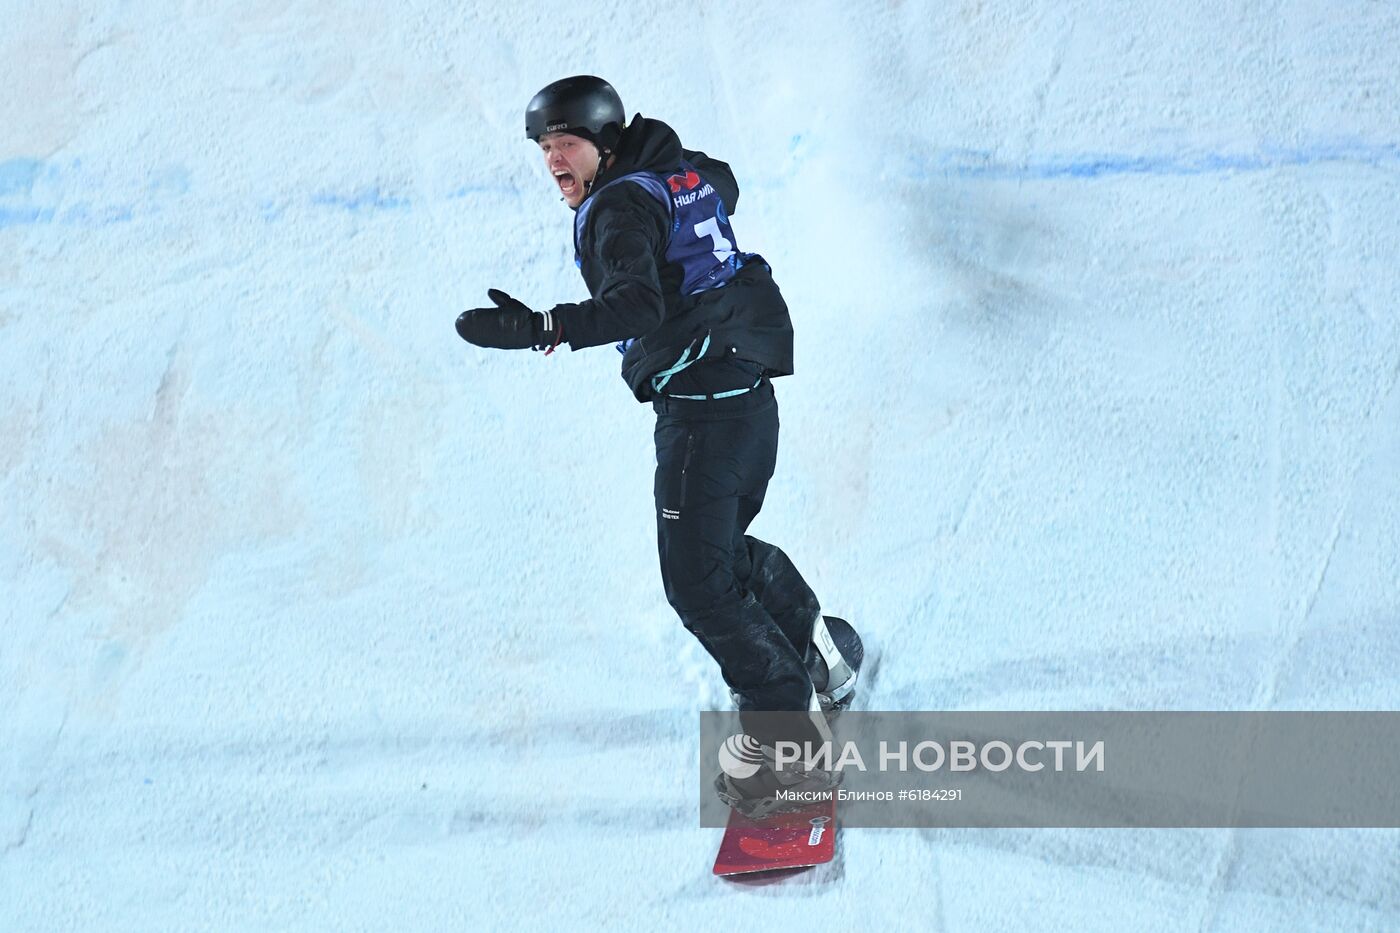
point(588, 189)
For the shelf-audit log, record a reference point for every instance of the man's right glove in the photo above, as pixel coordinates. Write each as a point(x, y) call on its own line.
point(510, 325)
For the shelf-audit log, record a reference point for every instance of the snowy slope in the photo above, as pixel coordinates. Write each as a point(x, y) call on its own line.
point(316, 618)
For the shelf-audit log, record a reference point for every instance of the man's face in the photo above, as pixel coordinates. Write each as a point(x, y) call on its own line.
point(572, 162)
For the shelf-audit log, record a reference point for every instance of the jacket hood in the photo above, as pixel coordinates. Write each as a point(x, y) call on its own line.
point(649, 145)
point(646, 146)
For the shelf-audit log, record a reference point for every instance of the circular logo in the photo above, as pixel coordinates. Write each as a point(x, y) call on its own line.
point(740, 756)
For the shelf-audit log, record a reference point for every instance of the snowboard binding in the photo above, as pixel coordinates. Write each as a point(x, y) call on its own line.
point(757, 796)
point(834, 657)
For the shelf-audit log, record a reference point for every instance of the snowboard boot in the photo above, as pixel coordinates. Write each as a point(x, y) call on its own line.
point(761, 788)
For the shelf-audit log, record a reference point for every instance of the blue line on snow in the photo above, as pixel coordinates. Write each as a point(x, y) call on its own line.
point(370, 198)
point(971, 163)
point(17, 176)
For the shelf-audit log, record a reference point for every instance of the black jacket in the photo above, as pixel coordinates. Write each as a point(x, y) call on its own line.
point(637, 293)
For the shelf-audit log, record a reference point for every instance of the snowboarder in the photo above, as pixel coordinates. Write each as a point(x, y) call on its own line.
point(703, 330)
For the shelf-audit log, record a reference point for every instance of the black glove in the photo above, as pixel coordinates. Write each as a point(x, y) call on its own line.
point(508, 326)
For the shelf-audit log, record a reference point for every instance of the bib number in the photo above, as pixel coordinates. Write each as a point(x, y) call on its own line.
point(710, 228)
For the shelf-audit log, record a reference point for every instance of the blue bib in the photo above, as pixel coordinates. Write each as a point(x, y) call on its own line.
point(701, 240)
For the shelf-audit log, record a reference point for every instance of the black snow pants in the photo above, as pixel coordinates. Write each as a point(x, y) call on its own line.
point(741, 597)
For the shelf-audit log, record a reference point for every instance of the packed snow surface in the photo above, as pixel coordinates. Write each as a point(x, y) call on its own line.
point(315, 617)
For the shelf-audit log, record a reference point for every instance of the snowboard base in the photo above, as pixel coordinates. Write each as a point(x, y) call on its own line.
point(795, 839)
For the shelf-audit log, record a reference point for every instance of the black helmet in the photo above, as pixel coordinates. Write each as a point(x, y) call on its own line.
point(583, 105)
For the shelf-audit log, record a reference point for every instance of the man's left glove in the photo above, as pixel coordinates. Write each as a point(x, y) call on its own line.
point(509, 325)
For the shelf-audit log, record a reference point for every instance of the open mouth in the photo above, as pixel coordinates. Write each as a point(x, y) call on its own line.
point(567, 183)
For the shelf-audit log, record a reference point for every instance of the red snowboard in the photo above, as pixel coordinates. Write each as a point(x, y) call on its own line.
point(799, 838)
point(784, 840)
